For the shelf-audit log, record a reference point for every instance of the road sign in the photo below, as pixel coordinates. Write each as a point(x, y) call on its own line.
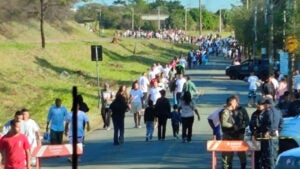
point(232, 146)
point(54, 151)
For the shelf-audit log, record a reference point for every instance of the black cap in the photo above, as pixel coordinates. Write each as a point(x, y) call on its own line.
point(260, 102)
point(267, 101)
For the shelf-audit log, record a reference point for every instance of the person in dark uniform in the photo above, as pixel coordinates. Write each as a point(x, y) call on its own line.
point(241, 118)
point(229, 128)
point(256, 132)
point(271, 124)
point(163, 110)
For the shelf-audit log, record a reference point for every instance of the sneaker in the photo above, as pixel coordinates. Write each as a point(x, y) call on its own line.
point(140, 126)
point(147, 138)
point(108, 128)
point(121, 140)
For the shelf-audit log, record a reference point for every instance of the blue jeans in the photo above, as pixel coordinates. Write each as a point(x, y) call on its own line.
point(216, 129)
point(149, 128)
point(174, 98)
point(118, 129)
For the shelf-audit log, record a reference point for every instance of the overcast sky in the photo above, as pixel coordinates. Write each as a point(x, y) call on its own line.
point(211, 5)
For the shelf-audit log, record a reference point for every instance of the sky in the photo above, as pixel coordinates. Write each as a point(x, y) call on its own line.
point(211, 5)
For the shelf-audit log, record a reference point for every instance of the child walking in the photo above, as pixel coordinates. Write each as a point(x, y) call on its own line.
point(176, 120)
point(149, 118)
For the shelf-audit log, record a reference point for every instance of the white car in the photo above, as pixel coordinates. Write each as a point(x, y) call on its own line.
point(289, 159)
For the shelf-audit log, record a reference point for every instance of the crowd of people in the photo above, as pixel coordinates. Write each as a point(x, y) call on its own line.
point(147, 99)
point(228, 122)
point(21, 135)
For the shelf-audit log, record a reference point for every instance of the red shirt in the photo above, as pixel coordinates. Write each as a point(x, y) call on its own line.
point(14, 150)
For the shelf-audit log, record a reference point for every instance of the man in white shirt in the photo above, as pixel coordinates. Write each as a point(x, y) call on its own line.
point(144, 84)
point(31, 131)
point(179, 86)
point(253, 81)
point(154, 93)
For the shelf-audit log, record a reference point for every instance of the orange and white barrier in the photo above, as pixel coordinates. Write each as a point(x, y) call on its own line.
point(59, 150)
point(231, 146)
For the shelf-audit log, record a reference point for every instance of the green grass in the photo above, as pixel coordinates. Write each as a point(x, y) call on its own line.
point(31, 77)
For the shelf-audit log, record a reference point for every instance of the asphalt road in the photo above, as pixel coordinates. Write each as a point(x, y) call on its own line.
point(135, 153)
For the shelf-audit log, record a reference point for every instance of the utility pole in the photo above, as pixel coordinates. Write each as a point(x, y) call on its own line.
point(158, 13)
point(220, 21)
point(255, 29)
point(132, 19)
point(185, 20)
point(200, 18)
point(99, 21)
point(271, 34)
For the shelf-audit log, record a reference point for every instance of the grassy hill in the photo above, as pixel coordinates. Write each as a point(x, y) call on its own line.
point(32, 77)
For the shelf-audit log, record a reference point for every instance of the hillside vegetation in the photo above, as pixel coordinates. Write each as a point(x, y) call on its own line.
point(32, 77)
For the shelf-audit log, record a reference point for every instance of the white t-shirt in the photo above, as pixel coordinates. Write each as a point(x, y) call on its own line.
point(30, 129)
point(186, 110)
point(144, 83)
point(81, 118)
point(252, 80)
point(297, 82)
point(136, 96)
point(154, 94)
point(182, 61)
point(151, 74)
point(179, 84)
point(275, 83)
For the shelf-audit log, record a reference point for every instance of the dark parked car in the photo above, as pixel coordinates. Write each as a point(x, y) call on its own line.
point(259, 66)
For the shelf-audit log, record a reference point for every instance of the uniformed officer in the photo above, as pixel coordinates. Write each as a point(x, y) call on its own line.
point(271, 124)
point(256, 132)
point(241, 119)
point(228, 129)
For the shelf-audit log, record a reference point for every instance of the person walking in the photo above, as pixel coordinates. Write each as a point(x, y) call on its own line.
point(107, 96)
point(229, 128)
point(253, 81)
point(82, 121)
point(118, 107)
point(32, 132)
point(163, 110)
point(214, 122)
point(176, 120)
point(256, 131)
point(15, 148)
point(144, 85)
point(149, 118)
point(241, 118)
point(18, 117)
point(187, 110)
point(189, 86)
point(56, 117)
point(271, 125)
point(154, 93)
point(136, 99)
point(179, 86)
